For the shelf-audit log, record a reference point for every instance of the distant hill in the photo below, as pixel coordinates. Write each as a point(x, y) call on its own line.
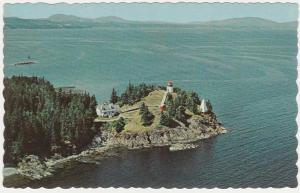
point(246, 22)
point(71, 21)
point(72, 18)
point(67, 18)
point(111, 19)
point(52, 23)
point(18, 23)
point(239, 21)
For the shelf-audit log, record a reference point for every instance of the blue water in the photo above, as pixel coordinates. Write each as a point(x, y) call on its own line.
point(249, 76)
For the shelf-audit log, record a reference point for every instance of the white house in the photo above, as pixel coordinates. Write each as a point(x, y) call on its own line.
point(108, 110)
point(170, 87)
point(203, 107)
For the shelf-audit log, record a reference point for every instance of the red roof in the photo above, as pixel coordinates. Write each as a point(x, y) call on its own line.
point(170, 83)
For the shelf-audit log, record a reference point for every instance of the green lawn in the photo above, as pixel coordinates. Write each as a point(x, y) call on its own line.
point(133, 118)
point(134, 124)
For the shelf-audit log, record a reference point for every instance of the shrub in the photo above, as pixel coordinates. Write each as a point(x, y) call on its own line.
point(120, 124)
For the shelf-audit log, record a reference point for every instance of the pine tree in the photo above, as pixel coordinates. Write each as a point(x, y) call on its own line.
point(171, 108)
point(192, 106)
point(164, 119)
point(209, 106)
point(125, 98)
point(114, 97)
point(169, 97)
point(92, 106)
point(142, 108)
point(183, 98)
point(177, 102)
point(146, 115)
point(120, 124)
point(180, 114)
point(195, 98)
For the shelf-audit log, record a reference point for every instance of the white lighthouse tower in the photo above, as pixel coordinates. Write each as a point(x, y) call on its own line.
point(170, 87)
point(203, 107)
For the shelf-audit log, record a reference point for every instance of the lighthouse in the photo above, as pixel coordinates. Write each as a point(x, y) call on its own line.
point(170, 87)
point(170, 90)
point(203, 107)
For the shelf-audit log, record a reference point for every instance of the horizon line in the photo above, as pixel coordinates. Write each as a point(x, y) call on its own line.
point(162, 21)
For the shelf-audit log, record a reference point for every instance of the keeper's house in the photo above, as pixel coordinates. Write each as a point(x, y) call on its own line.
point(108, 110)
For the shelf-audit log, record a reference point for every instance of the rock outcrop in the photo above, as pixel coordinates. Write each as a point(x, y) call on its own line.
point(182, 146)
point(33, 168)
point(164, 136)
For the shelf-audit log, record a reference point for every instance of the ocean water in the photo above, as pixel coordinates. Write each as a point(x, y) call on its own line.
point(249, 76)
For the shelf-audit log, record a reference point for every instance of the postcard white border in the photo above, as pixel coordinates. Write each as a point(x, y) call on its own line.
point(140, 190)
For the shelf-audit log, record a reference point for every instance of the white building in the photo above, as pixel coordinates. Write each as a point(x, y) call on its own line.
point(108, 110)
point(203, 107)
point(170, 87)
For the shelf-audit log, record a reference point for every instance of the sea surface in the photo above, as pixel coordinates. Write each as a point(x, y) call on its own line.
point(248, 75)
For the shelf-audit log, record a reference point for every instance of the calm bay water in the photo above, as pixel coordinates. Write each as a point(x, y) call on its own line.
point(248, 75)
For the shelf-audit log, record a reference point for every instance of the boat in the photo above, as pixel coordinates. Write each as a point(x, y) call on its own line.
point(26, 62)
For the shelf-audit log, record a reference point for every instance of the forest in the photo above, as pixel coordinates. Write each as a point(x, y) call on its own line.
point(42, 120)
point(132, 94)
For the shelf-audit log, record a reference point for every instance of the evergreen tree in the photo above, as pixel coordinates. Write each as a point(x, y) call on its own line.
point(165, 119)
point(125, 98)
point(194, 97)
point(114, 97)
point(177, 102)
point(180, 114)
point(146, 115)
point(133, 94)
point(192, 106)
point(169, 97)
point(171, 110)
point(120, 124)
point(209, 106)
point(143, 108)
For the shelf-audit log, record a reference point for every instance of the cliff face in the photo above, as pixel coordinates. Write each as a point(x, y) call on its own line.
point(164, 136)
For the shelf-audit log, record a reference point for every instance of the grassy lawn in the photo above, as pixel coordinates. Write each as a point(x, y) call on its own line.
point(133, 118)
point(134, 124)
point(106, 119)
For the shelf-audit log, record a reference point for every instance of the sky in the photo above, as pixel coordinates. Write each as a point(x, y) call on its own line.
point(180, 12)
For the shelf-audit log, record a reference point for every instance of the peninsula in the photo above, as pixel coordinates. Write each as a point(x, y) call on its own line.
point(77, 129)
point(148, 116)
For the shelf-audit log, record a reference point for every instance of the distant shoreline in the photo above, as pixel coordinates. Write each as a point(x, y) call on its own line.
point(61, 21)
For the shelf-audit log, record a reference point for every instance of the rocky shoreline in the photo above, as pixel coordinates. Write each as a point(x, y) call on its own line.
point(179, 138)
point(162, 137)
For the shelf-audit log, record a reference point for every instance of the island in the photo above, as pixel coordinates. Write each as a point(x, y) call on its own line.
point(46, 128)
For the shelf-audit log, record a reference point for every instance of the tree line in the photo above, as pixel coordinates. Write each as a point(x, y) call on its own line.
point(176, 107)
point(132, 94)
point(41, 120)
